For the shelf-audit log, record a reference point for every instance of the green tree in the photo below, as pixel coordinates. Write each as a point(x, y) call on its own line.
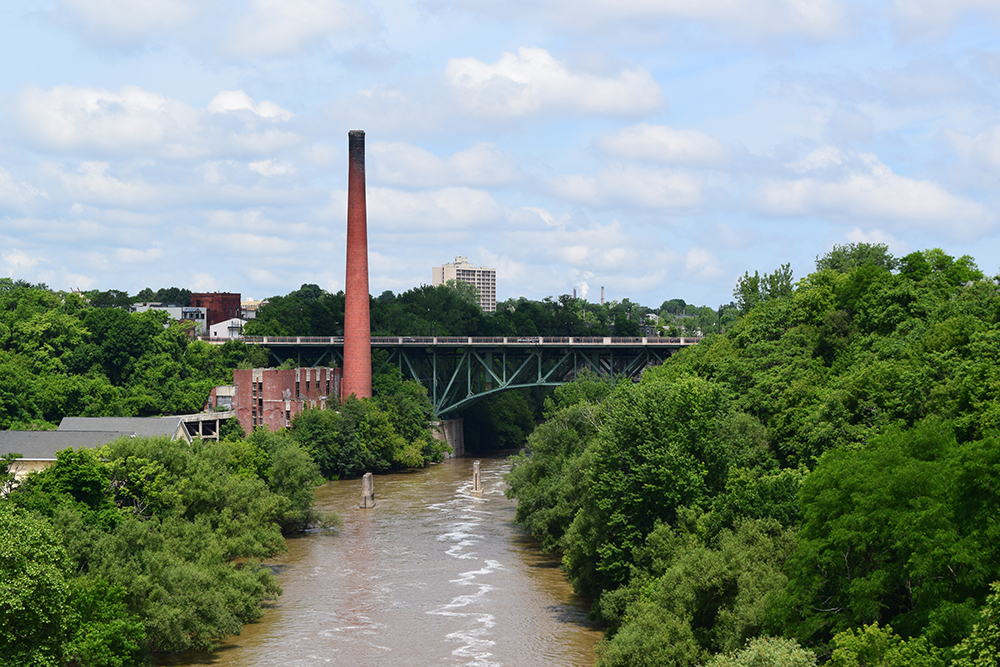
point(982, 647)
point(33, 590)
point(664, 446)
point(110, 299)
point(100, 630)
point(893, 534)
point(549, 479)
point(751, 290)
point(844, 258)
point(766, 652)
point(467, 291)
point(872, 646)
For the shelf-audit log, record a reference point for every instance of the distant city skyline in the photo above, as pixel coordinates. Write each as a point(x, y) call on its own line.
point(659, 149)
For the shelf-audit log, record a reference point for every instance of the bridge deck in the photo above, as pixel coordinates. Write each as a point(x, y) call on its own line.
point(458, 370)
point(465, 341)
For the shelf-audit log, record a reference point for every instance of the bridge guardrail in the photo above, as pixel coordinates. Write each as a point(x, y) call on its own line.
point(460, 340)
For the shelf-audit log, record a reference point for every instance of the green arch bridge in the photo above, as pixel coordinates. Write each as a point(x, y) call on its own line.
point(458, 370)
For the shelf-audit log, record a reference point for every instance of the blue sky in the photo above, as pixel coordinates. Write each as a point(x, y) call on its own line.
point(658, 148)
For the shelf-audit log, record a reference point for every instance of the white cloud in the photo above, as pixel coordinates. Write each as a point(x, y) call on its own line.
point(585, 253)
point(252, 220)
point(136, 121)
point(631, 187)
point(818, 19)
point(283, 27)
point(14, 193)
point(863, 187)
point(858, 235)
point(935, 18)
point(983, 150)
point(820, 158)
point(406, 165)
point(533, 82)
point(242, 28)
point(136, 256)
point(701, 263)
point(92, 184)
point(236, 100)
point(272, 167)
point(204, 282)
point(259, 244)
point(662, 143)
point(452, 208)
point(17, 260)
point(130, 119)
point(129, 20)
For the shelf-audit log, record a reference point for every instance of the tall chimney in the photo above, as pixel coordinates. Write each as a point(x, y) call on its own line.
point(357, 323)
point(602, 295)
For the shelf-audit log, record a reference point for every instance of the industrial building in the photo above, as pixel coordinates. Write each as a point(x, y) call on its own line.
point(219, 306)
point(271, 397)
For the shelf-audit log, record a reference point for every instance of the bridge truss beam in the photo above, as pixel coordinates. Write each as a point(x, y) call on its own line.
point(457, 377)
point(460, 371)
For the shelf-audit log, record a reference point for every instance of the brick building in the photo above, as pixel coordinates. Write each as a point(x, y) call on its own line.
point(219, 306)
point(272, 397)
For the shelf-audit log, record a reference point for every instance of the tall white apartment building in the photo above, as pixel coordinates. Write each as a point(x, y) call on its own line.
point(483, 279)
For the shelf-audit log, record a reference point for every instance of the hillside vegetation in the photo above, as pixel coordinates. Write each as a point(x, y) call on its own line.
point(60, 356)
point(817, 485)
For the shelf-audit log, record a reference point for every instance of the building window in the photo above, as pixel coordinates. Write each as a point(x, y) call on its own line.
point(297, 393)
point(288, 417)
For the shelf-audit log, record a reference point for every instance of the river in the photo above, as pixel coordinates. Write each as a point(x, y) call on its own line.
point(433, 575)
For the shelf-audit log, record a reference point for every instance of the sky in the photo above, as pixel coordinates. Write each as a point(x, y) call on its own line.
point(656, 148)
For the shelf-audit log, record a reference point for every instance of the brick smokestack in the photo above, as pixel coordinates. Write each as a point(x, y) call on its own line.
point(357, 323)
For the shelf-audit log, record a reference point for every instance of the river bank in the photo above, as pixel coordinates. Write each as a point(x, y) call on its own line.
point(433, 575)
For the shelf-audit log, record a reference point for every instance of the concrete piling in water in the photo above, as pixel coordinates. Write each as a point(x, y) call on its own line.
point(367, 491)
point(477, 480)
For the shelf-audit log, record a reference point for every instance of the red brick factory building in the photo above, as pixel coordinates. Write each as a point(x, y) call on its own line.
point(219, 306)
point(272, 397)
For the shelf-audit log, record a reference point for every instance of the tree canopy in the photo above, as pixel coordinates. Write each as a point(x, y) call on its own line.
point(823, 472)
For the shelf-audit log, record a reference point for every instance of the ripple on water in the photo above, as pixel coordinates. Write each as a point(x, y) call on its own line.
point(434, 575)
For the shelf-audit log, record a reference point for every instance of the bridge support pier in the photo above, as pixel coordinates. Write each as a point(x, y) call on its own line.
point(367, 491)
point(477, 480)
point(452, 432)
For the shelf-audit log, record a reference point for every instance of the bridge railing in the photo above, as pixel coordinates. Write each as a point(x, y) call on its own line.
point(459, 340)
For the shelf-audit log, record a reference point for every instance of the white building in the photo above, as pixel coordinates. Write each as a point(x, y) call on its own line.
point(180, 313)
point(249, 307)
point(231, 328)
point(483, 279)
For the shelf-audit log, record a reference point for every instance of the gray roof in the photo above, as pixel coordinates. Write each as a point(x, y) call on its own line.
point(146, 426)
point(43, 445)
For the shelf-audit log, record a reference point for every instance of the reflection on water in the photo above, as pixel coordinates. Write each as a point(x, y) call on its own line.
point(434, 575)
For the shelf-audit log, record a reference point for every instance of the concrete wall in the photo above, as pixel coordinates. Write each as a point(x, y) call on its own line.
point(452, 432)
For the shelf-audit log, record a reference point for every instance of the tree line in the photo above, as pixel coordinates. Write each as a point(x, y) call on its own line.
point(815, 486)
point(61, 356)
point(452, 310)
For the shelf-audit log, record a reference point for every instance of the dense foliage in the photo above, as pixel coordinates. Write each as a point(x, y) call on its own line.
point(818, 483)
point(451, 310)
point(144, 545)
point(61, 357)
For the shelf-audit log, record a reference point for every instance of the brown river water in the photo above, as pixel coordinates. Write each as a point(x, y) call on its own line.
point(433, 575)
